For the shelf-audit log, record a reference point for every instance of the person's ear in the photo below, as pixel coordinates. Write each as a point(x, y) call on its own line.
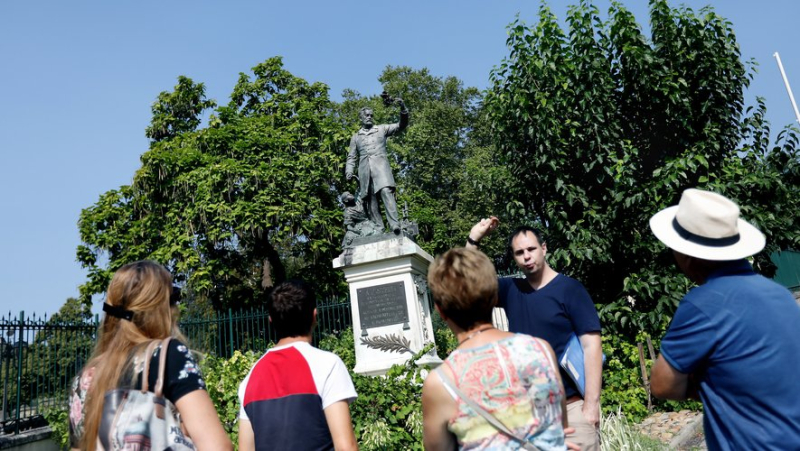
point(314, 321)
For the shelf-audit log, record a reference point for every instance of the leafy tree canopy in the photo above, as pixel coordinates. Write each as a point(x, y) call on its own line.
point(249, 199)
point(602, 126)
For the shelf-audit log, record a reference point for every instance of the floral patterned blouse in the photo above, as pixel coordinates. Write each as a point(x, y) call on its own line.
point(515, 381)
point(182, 377)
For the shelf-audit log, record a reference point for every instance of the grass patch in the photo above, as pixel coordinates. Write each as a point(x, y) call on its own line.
point(620, 435)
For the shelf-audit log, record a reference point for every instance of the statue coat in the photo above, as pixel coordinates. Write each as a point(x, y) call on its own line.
point(368, 146)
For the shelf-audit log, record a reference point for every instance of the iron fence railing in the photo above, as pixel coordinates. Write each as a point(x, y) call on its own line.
point(223, 333)
point(39, 359)
point(39, 356)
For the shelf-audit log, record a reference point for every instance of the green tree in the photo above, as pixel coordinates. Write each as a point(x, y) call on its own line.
point(602, 126)
point(244, 202)
point(178, 111)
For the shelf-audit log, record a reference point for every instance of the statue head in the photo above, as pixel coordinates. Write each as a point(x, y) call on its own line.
point(365, 115)
point(348, 199)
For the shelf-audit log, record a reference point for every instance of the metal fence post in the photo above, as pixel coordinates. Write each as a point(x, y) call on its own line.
point(230, 330)
point(19, 371)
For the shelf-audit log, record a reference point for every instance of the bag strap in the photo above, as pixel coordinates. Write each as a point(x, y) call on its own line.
point(162, 367)
point(482, 412)
point(148, 354)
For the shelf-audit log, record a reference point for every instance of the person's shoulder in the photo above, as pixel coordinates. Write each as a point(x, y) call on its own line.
point(564, 279)
point(504, 282)
point(315, 355)
point(524, 340)
point(565, 282)
point(520, 283)
point(175, 348)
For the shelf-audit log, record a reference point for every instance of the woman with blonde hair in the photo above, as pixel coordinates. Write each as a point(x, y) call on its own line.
point(497, 390)
point(140, 309)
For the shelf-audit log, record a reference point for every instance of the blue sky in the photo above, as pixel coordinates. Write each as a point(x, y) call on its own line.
point(77, 80)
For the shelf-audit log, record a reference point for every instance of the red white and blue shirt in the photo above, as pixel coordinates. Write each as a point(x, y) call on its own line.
point(286, 392)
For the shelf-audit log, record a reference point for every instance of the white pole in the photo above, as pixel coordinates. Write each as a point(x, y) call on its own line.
point(788, 88)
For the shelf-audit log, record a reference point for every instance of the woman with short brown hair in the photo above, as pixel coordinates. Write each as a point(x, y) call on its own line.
point(511, 377)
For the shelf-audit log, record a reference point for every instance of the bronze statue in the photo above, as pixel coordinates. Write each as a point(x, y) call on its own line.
point(375, 179)
point(356, 222)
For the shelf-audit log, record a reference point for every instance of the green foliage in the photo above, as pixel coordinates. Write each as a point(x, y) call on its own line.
point(179, 111)
point(623, 388)
point(223, 377)
point(764, 181)
point(602, 127)
point(58, 420)
point(246, 201)
point(388, 411)
point(444, 338)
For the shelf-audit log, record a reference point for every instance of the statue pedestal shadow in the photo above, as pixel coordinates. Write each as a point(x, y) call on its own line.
point(387, 278)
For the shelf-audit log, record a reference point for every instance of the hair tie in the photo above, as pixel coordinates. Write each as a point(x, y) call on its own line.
point(117, 312)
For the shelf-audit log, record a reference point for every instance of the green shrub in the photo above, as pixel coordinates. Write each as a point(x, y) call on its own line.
point(388, 411)
point(623, 389)
point(58, 419)
point(223, 377)
point(446, 341)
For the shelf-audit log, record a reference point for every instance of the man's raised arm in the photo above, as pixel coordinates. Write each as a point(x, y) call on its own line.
point(484, 227)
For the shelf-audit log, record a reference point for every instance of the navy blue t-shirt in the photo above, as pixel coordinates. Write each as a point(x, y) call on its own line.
point(551, 313)
point(738, 334)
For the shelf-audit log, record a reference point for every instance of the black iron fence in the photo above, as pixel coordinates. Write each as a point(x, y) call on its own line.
point(39, 356)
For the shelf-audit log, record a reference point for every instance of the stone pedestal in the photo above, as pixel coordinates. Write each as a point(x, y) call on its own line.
point(389, 301)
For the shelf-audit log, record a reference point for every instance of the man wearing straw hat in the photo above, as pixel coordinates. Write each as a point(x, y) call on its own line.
point(733, 338)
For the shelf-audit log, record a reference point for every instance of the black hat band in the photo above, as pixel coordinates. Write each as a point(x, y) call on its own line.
point(703, 240)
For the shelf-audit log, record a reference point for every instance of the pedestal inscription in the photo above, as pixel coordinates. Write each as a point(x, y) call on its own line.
point(382, 305)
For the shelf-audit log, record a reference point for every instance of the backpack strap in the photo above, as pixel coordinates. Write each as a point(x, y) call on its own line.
point(491, 419)
point(148, 355)
point(162, 367)
point(160, 402)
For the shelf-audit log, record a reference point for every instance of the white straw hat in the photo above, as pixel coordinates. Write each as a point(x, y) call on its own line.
point(707, 225)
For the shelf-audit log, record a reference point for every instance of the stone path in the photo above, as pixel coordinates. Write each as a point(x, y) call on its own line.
point(679, 430)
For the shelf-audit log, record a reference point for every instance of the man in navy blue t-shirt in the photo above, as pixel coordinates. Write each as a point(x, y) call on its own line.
point(733, 338)
point(552, 306)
